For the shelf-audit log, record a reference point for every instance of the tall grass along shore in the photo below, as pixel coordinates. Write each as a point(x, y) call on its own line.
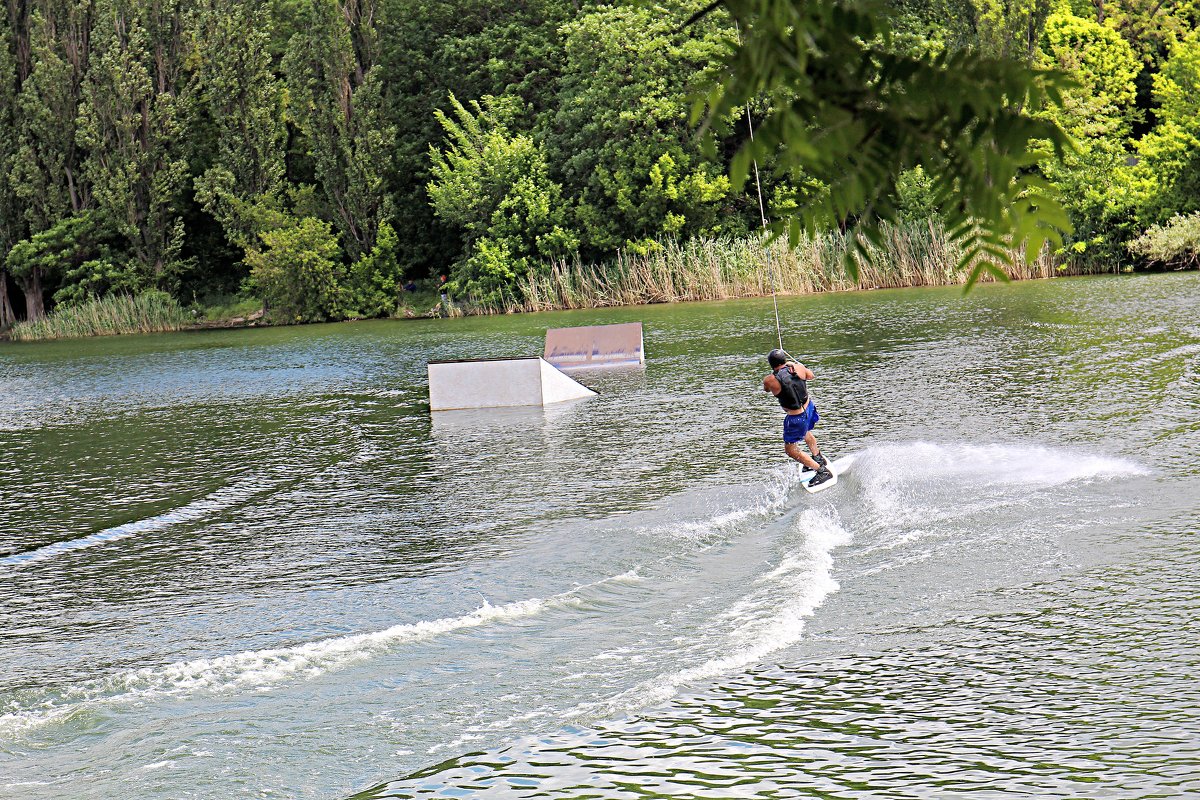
point(149, 312)
point(913, 254)
point(916, 254)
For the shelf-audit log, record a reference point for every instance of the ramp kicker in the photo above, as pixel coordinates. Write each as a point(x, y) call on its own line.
point(499, 383)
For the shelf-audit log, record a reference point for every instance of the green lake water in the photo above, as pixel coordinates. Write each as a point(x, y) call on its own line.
point(252, 564)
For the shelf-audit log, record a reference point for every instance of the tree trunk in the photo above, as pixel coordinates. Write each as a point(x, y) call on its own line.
point(7, 317)
point(35, 308)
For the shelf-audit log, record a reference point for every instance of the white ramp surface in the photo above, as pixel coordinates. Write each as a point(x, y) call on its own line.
point(595, 346)
point(499, 383)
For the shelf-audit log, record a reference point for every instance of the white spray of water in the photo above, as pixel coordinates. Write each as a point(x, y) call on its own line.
point(988, 465)
point(916, 485)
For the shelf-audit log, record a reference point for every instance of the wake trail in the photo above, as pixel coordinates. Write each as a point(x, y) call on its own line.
point(769, 618)
point(772, 613)
point(220, 500)
point(773, 495)
point(197, 510)
point(261, 669)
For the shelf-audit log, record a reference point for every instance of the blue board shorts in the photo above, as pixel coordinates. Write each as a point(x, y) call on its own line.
point(795, 426)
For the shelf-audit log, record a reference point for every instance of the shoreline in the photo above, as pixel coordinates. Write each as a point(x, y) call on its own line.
point(911, 254)
point(260, 320)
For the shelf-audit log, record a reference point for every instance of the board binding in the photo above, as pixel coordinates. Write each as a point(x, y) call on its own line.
point(837, 467)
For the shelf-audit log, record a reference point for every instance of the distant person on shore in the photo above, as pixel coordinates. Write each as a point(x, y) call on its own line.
point(444, 291)
point(788, 381)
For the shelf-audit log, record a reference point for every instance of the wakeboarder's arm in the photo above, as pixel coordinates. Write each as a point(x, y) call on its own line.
point(800, 371)
point(771, 384)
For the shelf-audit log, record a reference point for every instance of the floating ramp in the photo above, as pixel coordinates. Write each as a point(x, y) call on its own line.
point(595, 346)
point(499, 383)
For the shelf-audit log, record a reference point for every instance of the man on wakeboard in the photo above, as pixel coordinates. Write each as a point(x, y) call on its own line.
point(788, 381)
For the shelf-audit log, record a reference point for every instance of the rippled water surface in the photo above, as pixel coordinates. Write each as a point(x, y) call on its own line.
point(252, 564)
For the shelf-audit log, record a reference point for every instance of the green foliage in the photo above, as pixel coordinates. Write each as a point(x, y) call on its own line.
point(922, 27)
point(155, 143)
point(473, 48)
point(1098, 112)
point(494, 185)
point(376, 278)
point(1152, 27)
point(298, 273)
point(148, 312)
point(133, 123)
point(1175, 244)
point(621, 135)
point(1103, 68)
point(1170, 154)
point(337, 101)
point(915, 199)
point(74, 258)
point(46, 170)
point(1009, 28)
point(242, 101)
point(855, 116)
point(11, 227)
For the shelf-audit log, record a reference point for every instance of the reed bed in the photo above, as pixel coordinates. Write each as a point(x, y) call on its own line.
point(150, 312)
point(917, 254)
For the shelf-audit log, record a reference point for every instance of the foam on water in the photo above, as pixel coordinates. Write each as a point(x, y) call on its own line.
point(920, 483)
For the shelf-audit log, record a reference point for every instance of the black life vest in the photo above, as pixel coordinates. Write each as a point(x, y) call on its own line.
point(793, 391)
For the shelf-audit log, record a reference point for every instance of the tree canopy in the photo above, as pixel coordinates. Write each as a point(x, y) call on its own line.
point(321, 154)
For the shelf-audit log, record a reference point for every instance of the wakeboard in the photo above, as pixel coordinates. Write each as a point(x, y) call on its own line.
point(836, 466)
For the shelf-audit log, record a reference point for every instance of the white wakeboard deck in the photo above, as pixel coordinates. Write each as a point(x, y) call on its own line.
point(837, 467)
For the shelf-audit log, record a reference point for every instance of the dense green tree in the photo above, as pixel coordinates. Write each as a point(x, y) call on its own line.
point(336, 99)
point(1009, 28)
point(77, 254)
point(621, 135)
point(53, 46)
point(1170, 154)
point(134, 125)
point(931, 26)
point(1098, 112)
point(376, 279)
point(494, 184)
point(157, 143)
point(11, 228)
point(473, 49)
point(242, 100)
point(46, 170)
point(298, 272)
point(1151, 27)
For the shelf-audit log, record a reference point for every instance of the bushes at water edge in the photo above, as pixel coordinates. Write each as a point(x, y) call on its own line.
point(916, 253)
point(1176, 244)
point(148, 312)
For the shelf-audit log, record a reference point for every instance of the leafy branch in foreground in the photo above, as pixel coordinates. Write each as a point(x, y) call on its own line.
point(847, 110)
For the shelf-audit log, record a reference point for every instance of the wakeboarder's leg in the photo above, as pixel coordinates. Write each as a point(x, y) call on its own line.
point(793, 450)
point(814, 448)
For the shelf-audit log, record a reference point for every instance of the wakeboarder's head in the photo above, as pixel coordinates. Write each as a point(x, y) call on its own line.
point(777, 358)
